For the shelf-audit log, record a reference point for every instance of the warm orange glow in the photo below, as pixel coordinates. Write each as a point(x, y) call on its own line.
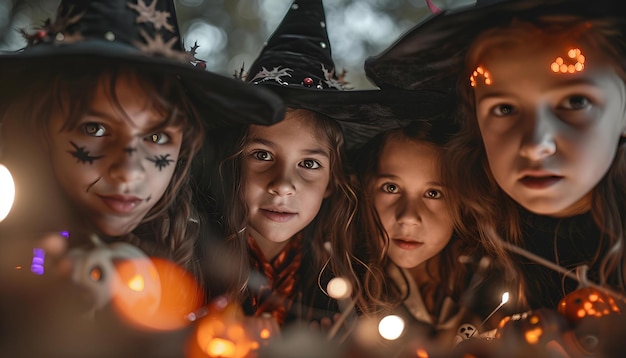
point(581, 313)
point(480, 71)
point(533, 335)
point(95, 274)
point(18, 267)
point(136, 283)
point(593, 297)
point(265, 333)
point(534, 320)
point(156, 294)
point(421, 353)
point(221, 334)
point(575, 63)
point(219, 347)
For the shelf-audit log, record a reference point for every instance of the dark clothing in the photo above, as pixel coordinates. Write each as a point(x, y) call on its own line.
point(568, 242)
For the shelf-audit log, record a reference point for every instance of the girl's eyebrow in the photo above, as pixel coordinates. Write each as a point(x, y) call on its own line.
point(311, 151)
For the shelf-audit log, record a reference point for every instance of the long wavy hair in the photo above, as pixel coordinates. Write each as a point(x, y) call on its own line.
point(446, 266)
point(489, 214)
point(338, 222)
point(166, 230)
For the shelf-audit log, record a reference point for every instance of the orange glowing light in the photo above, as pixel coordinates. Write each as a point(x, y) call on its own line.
point(219, 347)
point(532, 336)
point(221, 334)
point(18, 267)
point(480, 71)
point(575, 62)
point(421, 353)
point(155, 294)
point(265, 333)
point(95, 274)
point(136, 283)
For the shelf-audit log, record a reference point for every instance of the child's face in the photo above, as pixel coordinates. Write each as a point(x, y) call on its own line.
point(118, 162)
point(287, 172)
point(409, 199)
point(549, 136)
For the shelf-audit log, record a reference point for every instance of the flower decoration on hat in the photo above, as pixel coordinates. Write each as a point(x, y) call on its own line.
point(274, 75)
point(83, 21)
point(149, 14)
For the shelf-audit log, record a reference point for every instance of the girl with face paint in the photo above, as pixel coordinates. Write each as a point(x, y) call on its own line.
point(113, 116)
point(539, 162)
point(118, 156)
point(101, 117)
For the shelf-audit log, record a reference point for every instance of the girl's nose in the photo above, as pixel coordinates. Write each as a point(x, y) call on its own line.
point(282, 182)
point(539, 142)
point(127, 165)
point(407, 212)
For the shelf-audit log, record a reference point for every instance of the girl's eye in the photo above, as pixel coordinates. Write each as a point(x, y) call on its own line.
point(433, 194)
point(262, 155)
point(310, 164)
point(502, 110)
point(94, 129)
point(576, 102)
point(390, 188)
point(158, 138)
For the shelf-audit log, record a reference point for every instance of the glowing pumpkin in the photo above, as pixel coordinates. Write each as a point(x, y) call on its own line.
point(587, 302)
point(221, 333)
point(116, 270)
point(536, 327)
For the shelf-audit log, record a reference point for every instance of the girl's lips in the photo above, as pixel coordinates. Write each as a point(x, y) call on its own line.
point(278, 216)
point(122, 204)
point(406, 245)
point(540, 182)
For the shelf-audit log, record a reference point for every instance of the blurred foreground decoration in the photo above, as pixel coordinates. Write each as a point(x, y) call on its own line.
point(149, 293)
point(7, 192)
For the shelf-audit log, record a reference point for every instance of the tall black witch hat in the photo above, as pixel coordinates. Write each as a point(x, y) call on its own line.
point(296, 63)
point(432, 54)
point(143, 34)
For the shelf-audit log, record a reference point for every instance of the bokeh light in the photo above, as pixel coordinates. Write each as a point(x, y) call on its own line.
point(7, 192)
point(155, 294)
point(391, 327)
point(339, 288)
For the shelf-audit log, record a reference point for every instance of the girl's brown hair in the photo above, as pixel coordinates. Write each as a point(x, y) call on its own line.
point(488, 213)
point(338, 221)
point(436, 133)
point(166, 230)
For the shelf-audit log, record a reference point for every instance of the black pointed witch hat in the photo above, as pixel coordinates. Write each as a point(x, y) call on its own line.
point(297, 64)
point(432, 54)
point(143, 34)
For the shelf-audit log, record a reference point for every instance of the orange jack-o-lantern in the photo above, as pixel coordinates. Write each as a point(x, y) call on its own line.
point(116, 270)
point(536, 327)
point(587, 302)
point(221, 333)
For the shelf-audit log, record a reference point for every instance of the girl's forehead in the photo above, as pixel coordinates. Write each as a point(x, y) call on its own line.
point(560, 61)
